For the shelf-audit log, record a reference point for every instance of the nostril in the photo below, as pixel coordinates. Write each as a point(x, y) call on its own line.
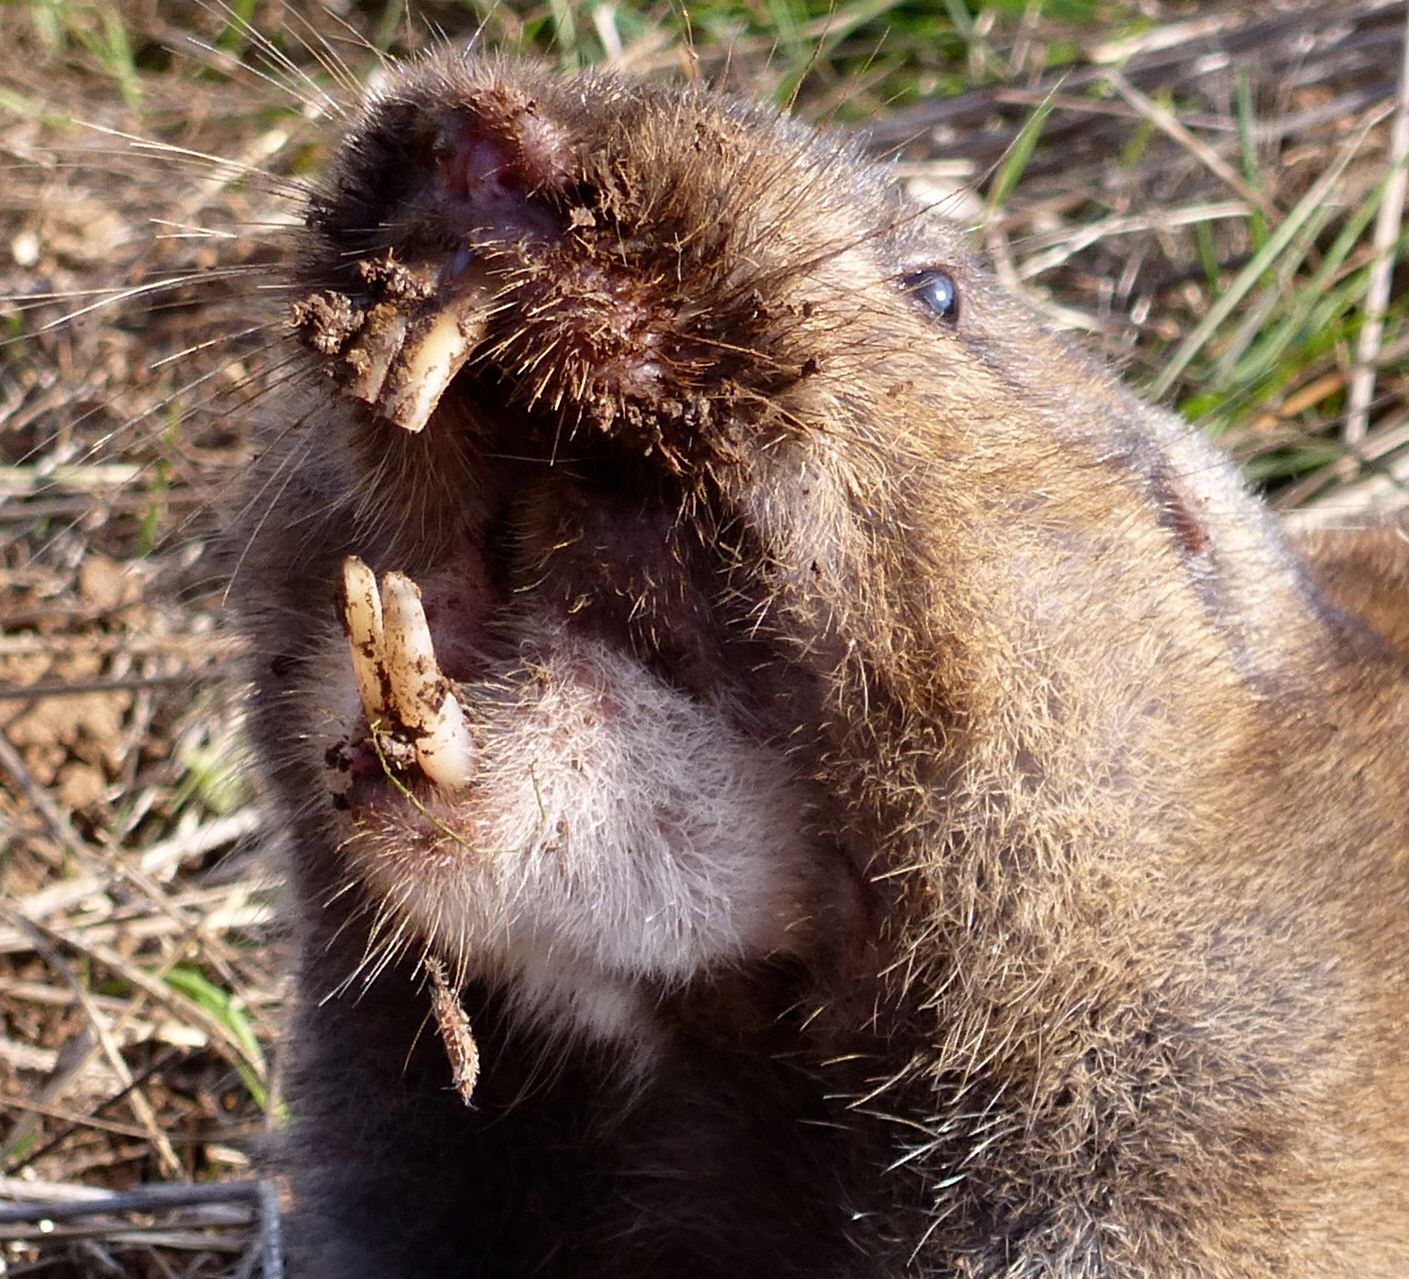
point(470, 164)
point(492, 174)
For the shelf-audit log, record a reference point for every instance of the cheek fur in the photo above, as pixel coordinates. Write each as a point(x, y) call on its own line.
point(615, 829)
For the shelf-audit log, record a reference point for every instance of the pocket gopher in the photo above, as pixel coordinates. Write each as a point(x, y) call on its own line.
point(880, 799)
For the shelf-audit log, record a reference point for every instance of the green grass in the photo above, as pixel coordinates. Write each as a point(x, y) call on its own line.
point(886, 51)
point(227, 1011)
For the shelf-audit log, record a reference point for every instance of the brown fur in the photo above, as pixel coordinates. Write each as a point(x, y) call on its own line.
point(1120, 778)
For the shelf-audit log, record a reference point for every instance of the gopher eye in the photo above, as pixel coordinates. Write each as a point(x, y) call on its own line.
point(935, 289)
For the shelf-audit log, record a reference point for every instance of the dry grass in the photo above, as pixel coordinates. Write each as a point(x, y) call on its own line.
point(1198, 187)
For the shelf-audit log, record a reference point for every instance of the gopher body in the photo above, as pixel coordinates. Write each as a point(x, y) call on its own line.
point(888, 802)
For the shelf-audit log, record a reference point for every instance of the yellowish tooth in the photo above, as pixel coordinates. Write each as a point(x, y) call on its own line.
point(369, 359)
point(421, 697)
point(435, 348)
point(361, 608)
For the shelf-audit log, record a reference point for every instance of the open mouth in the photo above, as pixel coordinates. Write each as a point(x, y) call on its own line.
point(567, 574)
point(569, 544)
point(509, 333)
point(557, 756)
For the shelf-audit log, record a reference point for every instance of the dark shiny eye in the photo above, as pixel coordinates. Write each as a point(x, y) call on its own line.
point(936, 289)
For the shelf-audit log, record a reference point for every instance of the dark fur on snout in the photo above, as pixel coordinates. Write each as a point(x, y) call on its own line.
point(1104, 966)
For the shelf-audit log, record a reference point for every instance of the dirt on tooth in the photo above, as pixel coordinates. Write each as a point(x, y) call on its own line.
point(421, 696)
point(370, 359)
point(360, 606)
point(435, 350)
